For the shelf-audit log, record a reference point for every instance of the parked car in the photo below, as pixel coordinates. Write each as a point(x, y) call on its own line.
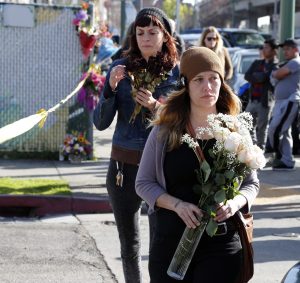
point(232, 37)
point(266, 35)
point(292, 275)
point(245, 38)
point(241, 61)
point(192, 30)
point(193, 39)
point(190, 39)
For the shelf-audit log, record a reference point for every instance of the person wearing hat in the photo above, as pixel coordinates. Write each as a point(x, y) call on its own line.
point(261, 99)
point(212, 39)
point(135, 85)
point(286, 108)
point(166, 174)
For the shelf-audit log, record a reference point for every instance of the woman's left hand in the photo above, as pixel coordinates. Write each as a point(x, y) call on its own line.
point(145, 98)
point(224, 211)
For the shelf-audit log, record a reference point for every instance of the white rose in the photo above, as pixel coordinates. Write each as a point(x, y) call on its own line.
point(221, 134)
point(245, 156)
point(258, 161)
point(232, 142)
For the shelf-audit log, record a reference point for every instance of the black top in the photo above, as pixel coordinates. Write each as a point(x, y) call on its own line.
point(179, 168)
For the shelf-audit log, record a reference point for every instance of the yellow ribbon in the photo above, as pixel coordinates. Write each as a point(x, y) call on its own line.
point(25, 124)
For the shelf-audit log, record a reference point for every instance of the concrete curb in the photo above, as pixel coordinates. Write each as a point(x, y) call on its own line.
point(32, 205)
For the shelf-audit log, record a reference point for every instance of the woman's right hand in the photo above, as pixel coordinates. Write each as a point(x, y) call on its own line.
point(189, 213)
point(117, 73)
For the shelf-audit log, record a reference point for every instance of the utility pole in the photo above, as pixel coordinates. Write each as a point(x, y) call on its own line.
point(232, 14)
point(287, 20)
point(287, 17)
point(275, 20)
point(178, 16)
point(123, 19)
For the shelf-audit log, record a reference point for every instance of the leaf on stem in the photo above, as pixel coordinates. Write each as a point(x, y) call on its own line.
point(211, 227)
point(206, 188)
point(229, 174)
point(220, 179)
point(205, 168)
point(220, 196)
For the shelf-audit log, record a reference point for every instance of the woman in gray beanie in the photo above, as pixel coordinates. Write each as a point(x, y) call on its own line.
point(166, 175)
point(135, 86)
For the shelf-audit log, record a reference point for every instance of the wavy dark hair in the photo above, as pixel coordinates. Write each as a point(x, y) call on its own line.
point(168, 56)
point(174, 114)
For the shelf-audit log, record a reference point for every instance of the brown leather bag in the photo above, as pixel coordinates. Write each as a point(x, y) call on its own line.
point(245, 230)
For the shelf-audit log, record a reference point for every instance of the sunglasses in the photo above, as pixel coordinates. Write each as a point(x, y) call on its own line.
point(211, 38)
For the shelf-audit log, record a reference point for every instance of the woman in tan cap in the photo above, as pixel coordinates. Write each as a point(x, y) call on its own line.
point(212, 39)
point(166, 175)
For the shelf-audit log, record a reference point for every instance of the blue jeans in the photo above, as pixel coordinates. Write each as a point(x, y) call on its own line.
point(126, 206)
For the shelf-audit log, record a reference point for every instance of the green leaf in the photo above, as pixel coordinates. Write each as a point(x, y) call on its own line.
point(220, 196)
point(229, 174)
point(220, 179)
point(205, 168)
point(206, 188)
point(211, 227)
point(211, 153)
point(197, 189)
point(237, 182)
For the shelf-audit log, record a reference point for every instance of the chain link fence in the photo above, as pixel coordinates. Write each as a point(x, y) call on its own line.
point(40, 64)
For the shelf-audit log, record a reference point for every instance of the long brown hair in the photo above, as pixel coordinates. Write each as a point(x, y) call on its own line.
point(219, 45)
point(174, 114)
point(169, 52)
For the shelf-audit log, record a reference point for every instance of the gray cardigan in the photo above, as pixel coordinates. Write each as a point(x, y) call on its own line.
point(150, 181)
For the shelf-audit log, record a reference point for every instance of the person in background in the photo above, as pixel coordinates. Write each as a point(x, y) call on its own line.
point(126, 42)
point(212, 39)
point(261, 52)
point(286, 108)
point(104, 29)
point(180, 45)
point(261, 98)
point(134, 87)
point(166, 175)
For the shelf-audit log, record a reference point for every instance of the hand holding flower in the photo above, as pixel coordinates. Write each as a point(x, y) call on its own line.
point(228, 209)
point(189, 213)
point(144, 97)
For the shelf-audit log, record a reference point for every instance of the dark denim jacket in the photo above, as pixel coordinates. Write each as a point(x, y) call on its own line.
point(127, 135)
point(255, 75)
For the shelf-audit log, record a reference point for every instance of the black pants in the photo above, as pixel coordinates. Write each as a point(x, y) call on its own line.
point(217, 259)
point(126, 207)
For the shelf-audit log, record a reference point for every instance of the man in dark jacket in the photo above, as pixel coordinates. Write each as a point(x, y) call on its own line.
point(261, 98)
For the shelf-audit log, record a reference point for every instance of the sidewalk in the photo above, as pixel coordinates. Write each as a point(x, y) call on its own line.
point(276, 212)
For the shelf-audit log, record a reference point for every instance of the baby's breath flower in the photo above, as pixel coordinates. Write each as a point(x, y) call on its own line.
point(189, 140)
point(202, 132)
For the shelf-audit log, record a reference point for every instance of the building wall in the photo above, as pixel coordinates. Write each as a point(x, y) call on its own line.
point(235, 13)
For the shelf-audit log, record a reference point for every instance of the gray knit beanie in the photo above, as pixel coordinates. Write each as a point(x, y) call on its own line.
point(200, 59)
point(159, 14)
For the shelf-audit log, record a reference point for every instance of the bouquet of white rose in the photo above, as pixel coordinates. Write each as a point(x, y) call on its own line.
point(234, 156)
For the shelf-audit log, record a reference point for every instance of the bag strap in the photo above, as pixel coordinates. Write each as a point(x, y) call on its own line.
point(191, 132)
